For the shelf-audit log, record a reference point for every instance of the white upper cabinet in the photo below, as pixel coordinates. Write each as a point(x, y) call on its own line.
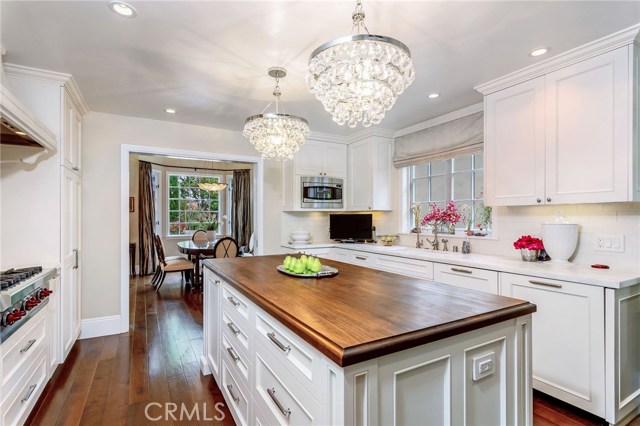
point(514, 145)
point(563, 132)
point(71, 131)
point(317, 158)
point(588, 134)
point(370, 174)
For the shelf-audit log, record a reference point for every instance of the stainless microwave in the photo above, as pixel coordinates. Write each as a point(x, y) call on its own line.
point(321, 192)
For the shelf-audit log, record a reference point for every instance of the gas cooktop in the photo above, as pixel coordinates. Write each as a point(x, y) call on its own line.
point(12, 277)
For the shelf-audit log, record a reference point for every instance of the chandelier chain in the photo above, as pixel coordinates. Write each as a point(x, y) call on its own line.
point(357, 17)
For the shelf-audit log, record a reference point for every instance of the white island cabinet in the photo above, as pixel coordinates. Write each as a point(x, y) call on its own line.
point(292, 370)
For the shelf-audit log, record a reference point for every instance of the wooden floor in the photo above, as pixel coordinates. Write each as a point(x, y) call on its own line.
point(110, 380)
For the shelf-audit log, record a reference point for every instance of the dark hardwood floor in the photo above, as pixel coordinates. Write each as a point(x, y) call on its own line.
point(110, 380)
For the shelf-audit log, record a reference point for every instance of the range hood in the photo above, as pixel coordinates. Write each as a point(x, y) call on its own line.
point(20, 127)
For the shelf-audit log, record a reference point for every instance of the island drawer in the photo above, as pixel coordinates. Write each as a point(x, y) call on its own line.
point(283, 399)
point(465, 277)
point(237, 333)
point(236, 396)
point(233, 301)
point(289, 350)
point(17, 404)
point(236, 360)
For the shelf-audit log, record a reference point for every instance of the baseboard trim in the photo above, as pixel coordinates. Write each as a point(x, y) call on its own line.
point(204, 366)
point(101, 326)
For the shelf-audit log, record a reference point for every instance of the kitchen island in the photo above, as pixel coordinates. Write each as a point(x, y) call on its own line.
point(363, 347)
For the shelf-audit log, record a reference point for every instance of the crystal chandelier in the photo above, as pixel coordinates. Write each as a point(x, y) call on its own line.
point(358, 78)
point(276, 135)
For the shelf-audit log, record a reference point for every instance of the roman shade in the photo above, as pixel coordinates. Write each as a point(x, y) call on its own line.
point(454, 138)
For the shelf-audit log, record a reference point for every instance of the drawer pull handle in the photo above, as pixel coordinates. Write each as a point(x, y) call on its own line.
point(361, 258)
point(28, 346)
point(233, 301)
point(272, 394)
point(27, 395)
point(235, 330)
point(464, 271)
point(233, 354)
point(545, 284)
point(235, 398)
point(274, 339)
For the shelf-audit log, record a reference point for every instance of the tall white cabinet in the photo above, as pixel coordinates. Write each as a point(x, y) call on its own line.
point(565, 131)
point(370, 174)
point(56, 100)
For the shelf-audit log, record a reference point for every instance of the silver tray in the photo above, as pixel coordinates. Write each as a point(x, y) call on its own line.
point(326, 271)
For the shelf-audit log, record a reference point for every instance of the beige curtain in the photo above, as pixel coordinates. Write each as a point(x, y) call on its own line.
point(241, 208)
point(146, 219)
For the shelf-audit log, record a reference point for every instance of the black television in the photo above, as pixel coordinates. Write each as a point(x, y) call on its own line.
point(351, 227)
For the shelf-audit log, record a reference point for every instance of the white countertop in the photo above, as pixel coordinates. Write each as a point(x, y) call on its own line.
point(612, 278)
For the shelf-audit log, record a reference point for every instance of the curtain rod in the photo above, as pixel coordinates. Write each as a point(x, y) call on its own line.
point(191, 168)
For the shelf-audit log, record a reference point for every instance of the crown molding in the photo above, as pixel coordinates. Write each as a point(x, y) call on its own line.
point(62, 79)
point(370, 132)
point(602, 45)
point(453, 115)
point(326, 137)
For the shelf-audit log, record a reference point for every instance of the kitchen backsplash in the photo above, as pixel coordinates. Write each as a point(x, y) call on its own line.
point(510, 224)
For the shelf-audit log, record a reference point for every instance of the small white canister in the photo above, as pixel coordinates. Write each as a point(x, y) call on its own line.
point(560, 239)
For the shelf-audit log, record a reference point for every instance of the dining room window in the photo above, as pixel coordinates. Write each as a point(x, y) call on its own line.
point(191, 208)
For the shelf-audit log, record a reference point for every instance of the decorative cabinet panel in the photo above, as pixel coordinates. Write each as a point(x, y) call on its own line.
point(70, 309)
point(71, 131)
point(465, 277)
point(369, 175)
point(566, 136)
point(317, 158)
point(211, 324)
point(568, 338)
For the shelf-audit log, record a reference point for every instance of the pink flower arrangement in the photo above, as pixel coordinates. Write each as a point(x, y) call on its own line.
point(528, 242)
point(438, 216)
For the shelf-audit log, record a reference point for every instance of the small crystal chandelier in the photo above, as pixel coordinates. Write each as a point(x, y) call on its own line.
point(358, 78)
point(212, 186)
point(276, 135)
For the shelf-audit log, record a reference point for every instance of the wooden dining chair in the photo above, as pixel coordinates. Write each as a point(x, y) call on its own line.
point(157, 242)
point(226, 247)
point(199, 237)
point(182, 265)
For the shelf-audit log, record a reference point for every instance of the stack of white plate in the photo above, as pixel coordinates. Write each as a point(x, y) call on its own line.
point(300, 237)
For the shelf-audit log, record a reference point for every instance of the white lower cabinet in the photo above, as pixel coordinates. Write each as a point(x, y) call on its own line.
point(568, 338)
point(465, 277)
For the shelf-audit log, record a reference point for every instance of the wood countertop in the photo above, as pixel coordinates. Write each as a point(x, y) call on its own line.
point(362, 313)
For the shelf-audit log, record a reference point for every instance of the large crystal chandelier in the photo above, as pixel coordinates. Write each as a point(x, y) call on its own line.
point(358, 78)
point(276, 135)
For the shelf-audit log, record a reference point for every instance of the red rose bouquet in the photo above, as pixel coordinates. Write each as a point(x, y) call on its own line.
point(528, 242)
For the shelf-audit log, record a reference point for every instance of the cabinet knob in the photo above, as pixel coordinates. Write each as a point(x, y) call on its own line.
point(539, 200)
point(548, 199)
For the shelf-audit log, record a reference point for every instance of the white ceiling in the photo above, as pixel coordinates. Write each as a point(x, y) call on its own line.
point(208, 59)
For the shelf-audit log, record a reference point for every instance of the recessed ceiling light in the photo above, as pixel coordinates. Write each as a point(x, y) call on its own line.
point(170, 110)
point(539, 51)
point(18, 132)
point(122, 9)
point(434, 95)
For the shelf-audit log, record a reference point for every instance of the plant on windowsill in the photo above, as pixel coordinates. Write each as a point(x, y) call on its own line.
point(438, 217)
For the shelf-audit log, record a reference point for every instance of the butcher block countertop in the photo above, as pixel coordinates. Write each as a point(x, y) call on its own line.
point(362, 313)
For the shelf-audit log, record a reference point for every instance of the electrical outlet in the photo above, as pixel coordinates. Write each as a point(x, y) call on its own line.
point(609, 242)
point(484, 366)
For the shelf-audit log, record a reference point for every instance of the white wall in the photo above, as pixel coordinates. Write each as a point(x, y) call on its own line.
point(103, 135)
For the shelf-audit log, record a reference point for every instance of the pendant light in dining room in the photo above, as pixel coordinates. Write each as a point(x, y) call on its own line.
point(359, 77)
point(276, 135)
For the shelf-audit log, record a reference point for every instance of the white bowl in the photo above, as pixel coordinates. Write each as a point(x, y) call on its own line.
point(560, 240)
point(300, 237)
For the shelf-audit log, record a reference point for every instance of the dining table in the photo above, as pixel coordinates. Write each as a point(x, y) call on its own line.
point(197, 251)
